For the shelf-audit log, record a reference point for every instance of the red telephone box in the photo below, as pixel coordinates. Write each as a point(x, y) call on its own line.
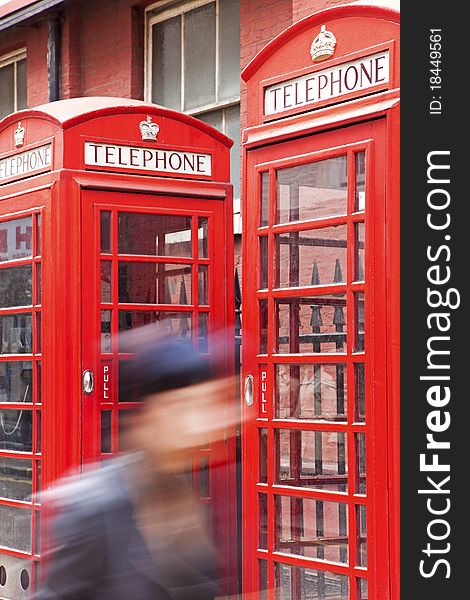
point(320, 310)
point(113, 214)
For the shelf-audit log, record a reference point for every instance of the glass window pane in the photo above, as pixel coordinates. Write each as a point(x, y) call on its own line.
point(21, 97)
point(263, 579)
point(359, 339)
point(171, 323)
point(38, 430)
point(16, 430)
point(16, 286)
point(215, 118)
point(203, 334)
point(362, 591)
point(316, 257)
point(105, 331)
point(264, 204)
point(151, 283)
point(263, 521)
point(229, 44)
point(263, 326)
point(7, 97)
point(204, 478)
point(199, 56)
point(359, 377)
point(105, 231)
point(16, 239)
point(361, 484)
point(16, 334)
point(263, 262)
point(154, 235)
point(166, 63)
point(38, 234)
point(16, 381)
point(313, 459)
point(312, 191)
point(106, 281)
point(202, 237)
point(105, 431)
point(263, 455)
point(38, 382)
point(361, 532)
point(359, 252)
point(311, 391)
point(203, 285)
point(232, 130)
point(15, 528)
point(293, 583)
point(38, 283)
point(16, 478)
point(360, 195)
point(311, 324)
point(312, 528)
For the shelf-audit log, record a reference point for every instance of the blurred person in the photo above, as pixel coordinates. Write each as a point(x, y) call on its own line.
point(131, 528)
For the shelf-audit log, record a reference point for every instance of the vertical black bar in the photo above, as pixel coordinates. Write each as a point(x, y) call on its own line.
point(53, 56)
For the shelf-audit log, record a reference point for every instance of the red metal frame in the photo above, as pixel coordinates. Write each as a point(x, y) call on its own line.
point(70, 199)
point(358, 123)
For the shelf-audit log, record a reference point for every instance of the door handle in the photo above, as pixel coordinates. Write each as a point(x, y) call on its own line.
point(248, 390)
point(88, 382)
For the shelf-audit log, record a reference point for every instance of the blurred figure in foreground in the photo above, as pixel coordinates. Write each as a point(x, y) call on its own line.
point(131, 528)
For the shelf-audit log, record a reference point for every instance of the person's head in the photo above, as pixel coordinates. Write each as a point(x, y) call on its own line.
point(182, 404)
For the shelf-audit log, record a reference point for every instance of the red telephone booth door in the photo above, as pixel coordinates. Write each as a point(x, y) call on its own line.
point(153, 259)
point(315, 445)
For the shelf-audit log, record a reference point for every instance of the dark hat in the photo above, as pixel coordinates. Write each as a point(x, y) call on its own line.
point(165, 364)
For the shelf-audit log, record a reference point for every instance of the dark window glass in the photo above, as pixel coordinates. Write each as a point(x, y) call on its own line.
point(105, 431)
point(174, 323)
point(7, 90)
point(16, 430)
point(293, 583)
point(16, 334)
point(21, 95)
point(154, 235)
point(105, 231)
point(16, 381)
point(16, 286)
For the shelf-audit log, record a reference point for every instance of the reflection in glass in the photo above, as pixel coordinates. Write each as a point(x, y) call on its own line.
point(38, 318)
point(105, 231)
point(263, 326)
point(16, 286)
point(320, 463)
point(16, 381)
point(38, 283)
point(293, 583)
point(38, 533)
point(312, 191)
point(106, 281)
point(203, 333)
point(263, 521)
point(38, 234)
point(311, 324)
point(203, 285)
point(263, 579)
point(263, 455)
point(16, 432)
point(154, 235)
point(315, 257)
point(16, 239)
point(202, 236)
point(263, 262)
point(16, 478)
point(360, 412)
point(361, 528)
point(38, 382)
point(311, 391)
point(38, 430)
point(105, 431)
point(264, 205)
point(166, 63)
point(359, 252)
point(171, 323)
point(312, 528)
point(16, 334)
point(360, 195)
point(152, 283)
point(362, 591)
point(360, 463)
point(15, 528)
point(359, 341)
point(105, 331)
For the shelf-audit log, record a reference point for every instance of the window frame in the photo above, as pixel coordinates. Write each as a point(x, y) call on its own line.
point(163, 11)
point(13, 58)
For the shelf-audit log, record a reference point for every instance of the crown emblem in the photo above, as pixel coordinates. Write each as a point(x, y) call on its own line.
point(19, 135)
point(323, 46)
point(149, 130)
